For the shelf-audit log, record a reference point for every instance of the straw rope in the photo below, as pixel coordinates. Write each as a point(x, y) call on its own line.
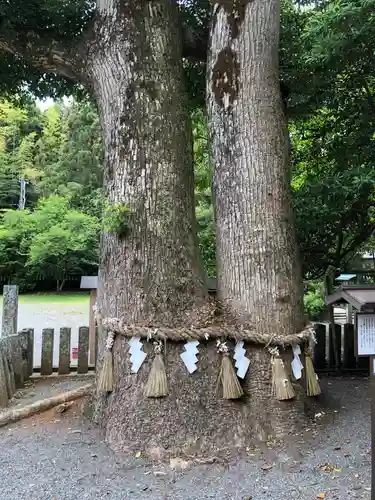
point(120, 327)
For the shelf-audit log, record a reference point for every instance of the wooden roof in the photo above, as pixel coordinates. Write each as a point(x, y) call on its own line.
point(359, 296)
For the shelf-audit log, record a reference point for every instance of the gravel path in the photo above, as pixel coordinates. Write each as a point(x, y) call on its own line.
point(64, 458)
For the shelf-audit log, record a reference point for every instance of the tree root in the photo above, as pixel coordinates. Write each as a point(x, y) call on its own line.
point(43, 405)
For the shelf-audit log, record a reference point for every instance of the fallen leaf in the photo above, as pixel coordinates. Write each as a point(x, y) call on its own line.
point(138, 454)
point(63, 407)
point(321, 495)
point(329, 468)
point(266, 467)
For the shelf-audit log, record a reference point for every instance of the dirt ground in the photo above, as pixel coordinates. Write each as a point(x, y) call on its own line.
point(38, 388)
point(63, 457)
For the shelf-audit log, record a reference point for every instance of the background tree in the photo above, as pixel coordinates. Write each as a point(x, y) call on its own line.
point(52, 243)
point(62, 242)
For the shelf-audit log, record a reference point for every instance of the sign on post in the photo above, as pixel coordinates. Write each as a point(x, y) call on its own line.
point(365, 335)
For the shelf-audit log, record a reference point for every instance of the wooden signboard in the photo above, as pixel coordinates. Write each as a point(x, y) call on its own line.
point(365, 346)
point(365, 334)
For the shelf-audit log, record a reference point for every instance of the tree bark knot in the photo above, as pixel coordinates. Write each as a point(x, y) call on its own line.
point(186, 334)
point(225, 78)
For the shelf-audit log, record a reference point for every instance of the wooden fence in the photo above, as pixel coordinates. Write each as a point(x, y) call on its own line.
point(17, 358)
point(324, 357)
point(63, 339)
point(15, 366)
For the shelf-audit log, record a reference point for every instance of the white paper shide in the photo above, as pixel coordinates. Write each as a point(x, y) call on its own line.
point(137, 356)
point(242, 362)
point(189, 357)
point(297, 365)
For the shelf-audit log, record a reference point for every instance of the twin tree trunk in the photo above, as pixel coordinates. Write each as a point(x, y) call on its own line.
point(259, 279)
point(152, 274)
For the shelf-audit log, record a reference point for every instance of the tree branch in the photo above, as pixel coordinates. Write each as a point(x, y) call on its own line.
point(48, 55)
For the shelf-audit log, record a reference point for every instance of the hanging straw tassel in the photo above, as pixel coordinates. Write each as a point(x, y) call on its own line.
point(157, 385)
point(312, 382)
point(105, 381)
point(231, 386)
point(282, 388)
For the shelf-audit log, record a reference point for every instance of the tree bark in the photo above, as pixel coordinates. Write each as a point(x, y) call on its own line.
point(151, 273)
point(259, 279)
point(154, 271)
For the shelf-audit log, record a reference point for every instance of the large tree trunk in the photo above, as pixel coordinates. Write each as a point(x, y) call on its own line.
point(153, 273)
point(150, 272)
point(259, 276)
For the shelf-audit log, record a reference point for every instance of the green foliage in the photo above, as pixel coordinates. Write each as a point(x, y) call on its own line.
point(64, 247)
point(333, 135)
point(314, 301)
point(53, 242)
point(59, 153)
point(35, 20)
point(333, 192)
point(204, 211)
point(116, 219)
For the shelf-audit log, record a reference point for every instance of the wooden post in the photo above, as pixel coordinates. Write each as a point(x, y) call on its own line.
point(26, 337)
point(4, 397)
point(46, 365)
point(30, 356)
point(92, 327)
point(15, 358)
point(10, 310)
point(349, 314)
point(350, 360)
point(83, 344)
point(320, 347)
point(334, 358)
point(64, 354)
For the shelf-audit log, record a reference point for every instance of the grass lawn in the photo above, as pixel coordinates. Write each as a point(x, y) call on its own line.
point(53, 298)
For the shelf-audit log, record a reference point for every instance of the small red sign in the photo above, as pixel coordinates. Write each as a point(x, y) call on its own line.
point(75, 353)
